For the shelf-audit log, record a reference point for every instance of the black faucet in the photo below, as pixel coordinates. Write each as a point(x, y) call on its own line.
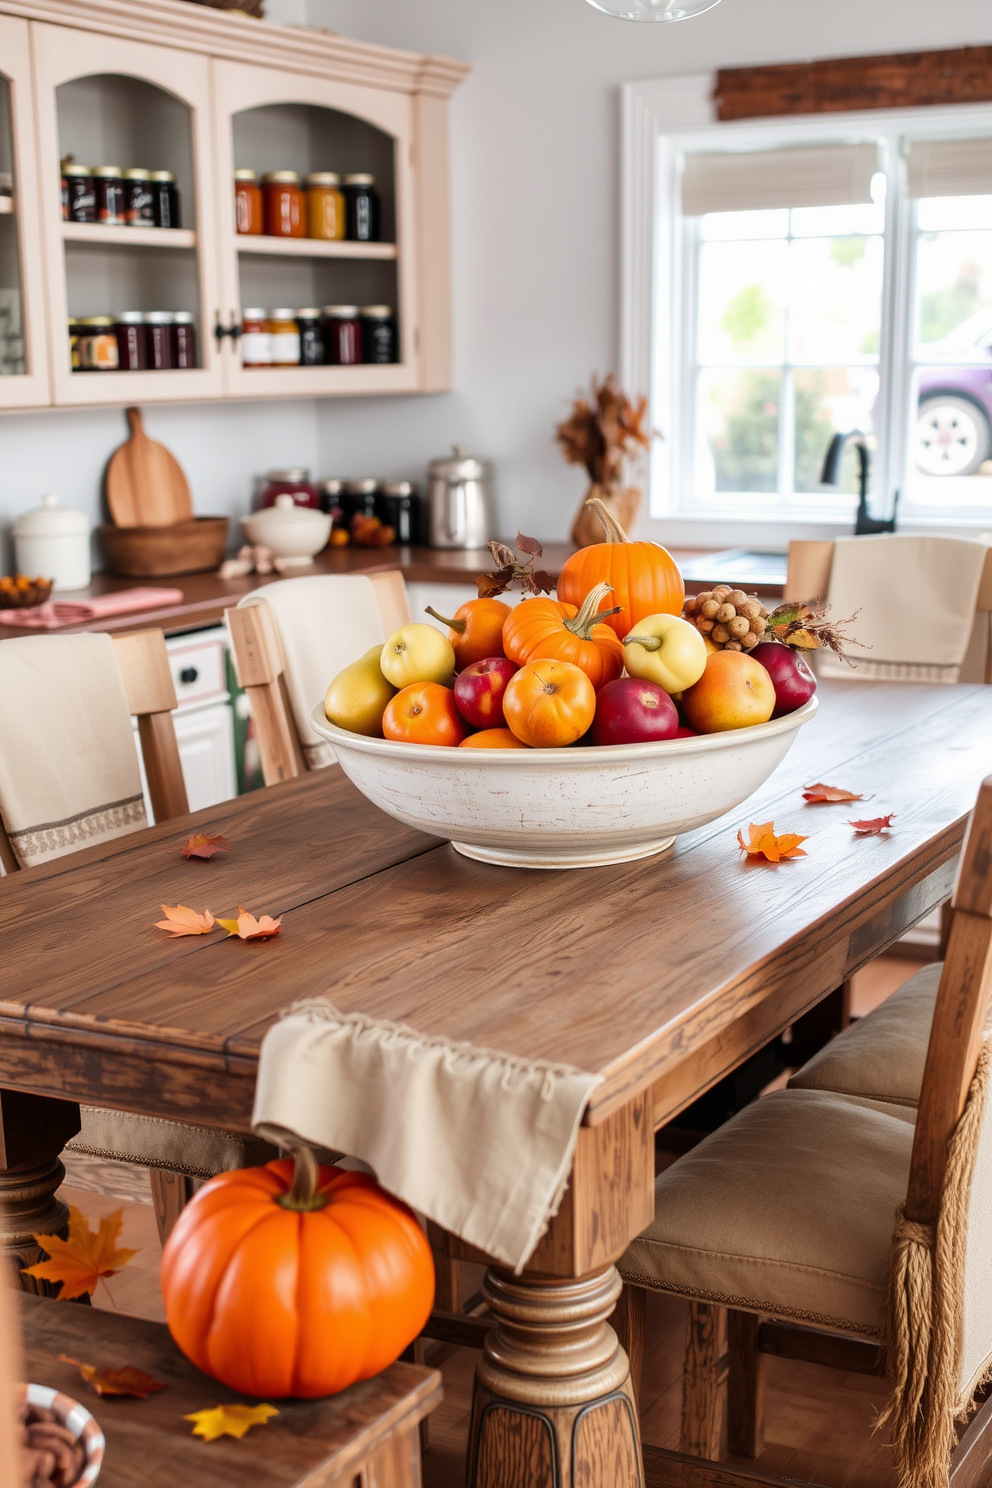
point(865, 525)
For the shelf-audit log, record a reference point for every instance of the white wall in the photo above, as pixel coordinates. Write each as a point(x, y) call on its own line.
point(534, 157)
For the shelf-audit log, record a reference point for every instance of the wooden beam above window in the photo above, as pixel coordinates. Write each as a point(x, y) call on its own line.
point(849, 84)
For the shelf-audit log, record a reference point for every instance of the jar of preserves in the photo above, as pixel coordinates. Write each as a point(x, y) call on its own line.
point(256, 345)
point(74, 362)
point(97, 344)
point(249, 216)
point(331, 492)
point(360, 498)
point(158, 330)
point(284, 339)
point(378, 334)
point(361, 208)
point(295, 482)
point(109, 182)
point(139, 206)
point(311, 337)
point(80, 193)
point(342, 335)
point(132, 341)
point(183, 340)
point(285, 208)
point(402, 509)
point(166, 209)
point(325, 207)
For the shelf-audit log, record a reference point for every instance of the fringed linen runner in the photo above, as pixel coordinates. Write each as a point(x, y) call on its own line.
point(480, 1142)
point(58, 613)
point(69, 773)
point(915, 600)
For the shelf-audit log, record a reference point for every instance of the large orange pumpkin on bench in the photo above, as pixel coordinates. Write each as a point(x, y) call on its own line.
point(294, 1280)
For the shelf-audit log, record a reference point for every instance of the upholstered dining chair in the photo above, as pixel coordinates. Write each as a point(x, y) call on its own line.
point(831, 1228)
point(70, 700)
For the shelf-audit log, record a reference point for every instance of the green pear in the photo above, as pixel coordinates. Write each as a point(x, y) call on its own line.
point(357, 698)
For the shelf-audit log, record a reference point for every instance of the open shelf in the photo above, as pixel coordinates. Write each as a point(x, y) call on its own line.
point(313, 248)
point(128, 237)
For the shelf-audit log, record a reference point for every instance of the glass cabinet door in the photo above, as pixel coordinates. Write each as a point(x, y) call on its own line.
point(315, 302)
point(23, 360)
point(128, 208)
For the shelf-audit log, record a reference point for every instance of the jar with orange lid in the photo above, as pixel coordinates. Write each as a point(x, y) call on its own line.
point(285, 205)
point(284, 339)
point(248, 210)
point(325, 207)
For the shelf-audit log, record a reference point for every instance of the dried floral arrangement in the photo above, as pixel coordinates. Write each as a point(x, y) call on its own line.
point(603, 430)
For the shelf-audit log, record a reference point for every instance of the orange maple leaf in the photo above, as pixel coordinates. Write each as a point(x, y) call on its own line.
point(79, 1262)
point(202, 845)
point(817, 794)
point(763, 843)
point(874, 826)
point(126, 1381)
point(229, 1420)
point(182, 921)
point(246, 927)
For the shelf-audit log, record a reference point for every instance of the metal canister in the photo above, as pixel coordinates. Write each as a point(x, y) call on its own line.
point(459, 501)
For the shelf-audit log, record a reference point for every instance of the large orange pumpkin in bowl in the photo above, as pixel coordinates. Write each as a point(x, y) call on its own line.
point(294, 1280)
point(644, 576)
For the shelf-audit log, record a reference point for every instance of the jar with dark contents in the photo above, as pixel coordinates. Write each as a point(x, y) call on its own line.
point(158, 329)
point(285, 205)
point(139, 205)
point(249, 214)
point(401, 509)
point(166, 210)
point(109, 183)
point(311, 338)
point(98, 344)
point(79, 193)
point(293, 481)
point(132, 341)
point(183, 340)
point(361, 208)
point(342, 335)
point(359, 498)
point(378, 334)
point(331, 492)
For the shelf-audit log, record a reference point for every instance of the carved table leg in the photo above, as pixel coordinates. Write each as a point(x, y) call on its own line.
point(553, 1405)
point(33, 1131)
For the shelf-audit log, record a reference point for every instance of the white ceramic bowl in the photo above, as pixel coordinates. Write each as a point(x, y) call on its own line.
point(79, 1421)
point(296, 534)
point(564, 808)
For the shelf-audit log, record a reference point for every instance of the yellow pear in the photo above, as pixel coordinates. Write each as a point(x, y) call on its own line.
point(357, 698)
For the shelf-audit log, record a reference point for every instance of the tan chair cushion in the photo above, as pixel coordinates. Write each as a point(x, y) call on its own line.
point(789, 1209)
point(880, 1056)
point(196, 1151)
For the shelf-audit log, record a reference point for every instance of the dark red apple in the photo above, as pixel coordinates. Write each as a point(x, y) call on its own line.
point(631, 711)
point(792, 679)
point(685, 733)
point(479, 691)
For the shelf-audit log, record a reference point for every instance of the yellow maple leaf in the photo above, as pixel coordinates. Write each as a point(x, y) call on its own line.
point(182, 921)
point(229, 1420)
point(79, 1262)
point(763, 843)
point(246, 927)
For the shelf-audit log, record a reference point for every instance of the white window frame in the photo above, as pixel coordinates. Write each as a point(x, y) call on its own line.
point(661, 121)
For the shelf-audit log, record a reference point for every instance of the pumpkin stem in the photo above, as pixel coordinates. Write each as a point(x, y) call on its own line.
point(614, 532)
point(650, 643)
point(303, 1196)
point(456, 625)
point(590, 613)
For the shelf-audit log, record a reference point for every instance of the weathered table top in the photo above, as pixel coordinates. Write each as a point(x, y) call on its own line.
point(629, 971)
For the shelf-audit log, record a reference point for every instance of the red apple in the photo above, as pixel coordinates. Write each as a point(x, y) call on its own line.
point(632, 711)
point(791, 676)
point(479, 691)
point(685, 733)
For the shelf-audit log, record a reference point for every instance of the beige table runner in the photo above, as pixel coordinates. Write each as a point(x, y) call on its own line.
point(479, 1142)
point(916, 600)
point(69, 773)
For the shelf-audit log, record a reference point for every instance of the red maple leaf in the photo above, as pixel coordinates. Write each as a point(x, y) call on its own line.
point(820, 794)
point(202, 845)
point(874, 826)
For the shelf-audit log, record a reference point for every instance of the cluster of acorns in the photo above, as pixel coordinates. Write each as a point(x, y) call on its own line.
point(731, 619)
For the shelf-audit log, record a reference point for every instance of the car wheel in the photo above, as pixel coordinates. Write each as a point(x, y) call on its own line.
point(953, 437)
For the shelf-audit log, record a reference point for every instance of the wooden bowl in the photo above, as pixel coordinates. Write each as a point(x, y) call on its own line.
point(157, 552)
point(37, 592)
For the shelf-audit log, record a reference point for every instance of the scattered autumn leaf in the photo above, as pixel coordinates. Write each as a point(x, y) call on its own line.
point(202, 845)
point(816, 794)
point(182, 921)
point(79, 1262)
point(874, 826)
point(246, 927)
point(229, 1420)
point(763, 843)
point(807, 628)
point(512, 573)
point(126, 1381)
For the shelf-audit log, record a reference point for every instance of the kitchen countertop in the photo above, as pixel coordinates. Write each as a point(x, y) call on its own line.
point(206, 596)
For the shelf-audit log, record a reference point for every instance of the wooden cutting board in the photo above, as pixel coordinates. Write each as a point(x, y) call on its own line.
point(145, 484)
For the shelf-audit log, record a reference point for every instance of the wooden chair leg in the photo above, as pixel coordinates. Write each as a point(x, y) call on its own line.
point(628, 1324)
point(702, 1378)
point(171, 1192)
point(745, 1385)
point(447, 1283)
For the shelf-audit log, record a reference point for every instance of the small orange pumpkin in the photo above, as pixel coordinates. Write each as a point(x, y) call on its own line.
point(644, 576)
point(475, 630)
point(549, 704)
point(547, 628)
point(295, 1280)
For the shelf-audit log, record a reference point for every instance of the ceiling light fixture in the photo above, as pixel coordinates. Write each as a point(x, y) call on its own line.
point(653, 10)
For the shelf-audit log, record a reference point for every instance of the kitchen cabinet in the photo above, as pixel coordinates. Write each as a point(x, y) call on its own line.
point(23, 358)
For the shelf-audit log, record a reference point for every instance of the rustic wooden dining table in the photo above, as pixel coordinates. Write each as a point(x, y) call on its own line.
point(661, 975)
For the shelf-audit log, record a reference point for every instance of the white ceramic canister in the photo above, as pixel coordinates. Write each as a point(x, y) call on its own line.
point(53, 542)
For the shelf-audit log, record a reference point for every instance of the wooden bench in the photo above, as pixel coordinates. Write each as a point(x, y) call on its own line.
point(365, 1437)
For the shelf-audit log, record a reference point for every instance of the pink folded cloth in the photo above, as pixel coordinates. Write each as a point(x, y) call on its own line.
point(59, 612)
